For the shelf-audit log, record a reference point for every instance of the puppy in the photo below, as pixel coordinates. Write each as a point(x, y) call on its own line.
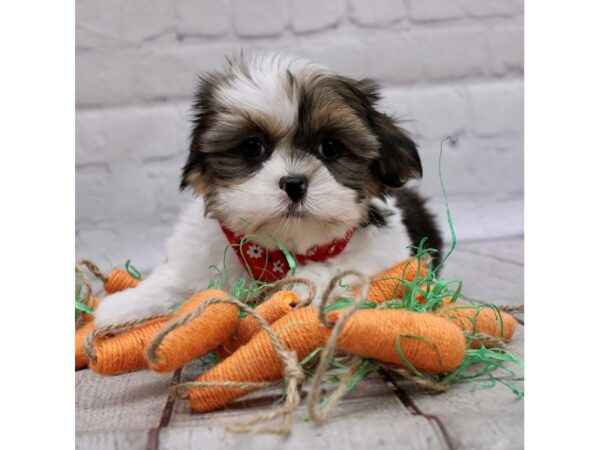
point(286, 152)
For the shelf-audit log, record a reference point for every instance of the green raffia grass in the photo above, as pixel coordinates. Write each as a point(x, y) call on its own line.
point(81, 296)
point(131, 270)
point(367, 367)
point(211, 358)
point(83, 307)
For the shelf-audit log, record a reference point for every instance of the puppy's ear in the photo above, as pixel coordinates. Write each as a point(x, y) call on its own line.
point(193, 170)
point(398, 159)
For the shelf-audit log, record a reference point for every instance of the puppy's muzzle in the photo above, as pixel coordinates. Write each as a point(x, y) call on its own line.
point(295, 186)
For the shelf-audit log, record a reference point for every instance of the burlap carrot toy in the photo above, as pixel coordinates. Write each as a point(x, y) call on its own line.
point(119, 349)
point(280, 304)
point(124, 347)
point(428, 343)
point(81, 359)
point(118, 279)
point(257, 363)
point(483, 320)
point(179, 342)
point(379, 333)
point(85, 304)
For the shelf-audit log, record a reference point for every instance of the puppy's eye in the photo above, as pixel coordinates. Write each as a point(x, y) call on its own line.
point(330, 148)
point(253, 148)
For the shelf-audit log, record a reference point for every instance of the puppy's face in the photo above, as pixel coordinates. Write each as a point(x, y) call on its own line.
point(284, 147)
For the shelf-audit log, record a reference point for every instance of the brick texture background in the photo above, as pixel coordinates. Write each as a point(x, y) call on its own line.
point(447, 67)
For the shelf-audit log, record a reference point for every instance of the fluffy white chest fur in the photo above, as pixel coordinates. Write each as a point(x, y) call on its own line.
point(198, 243)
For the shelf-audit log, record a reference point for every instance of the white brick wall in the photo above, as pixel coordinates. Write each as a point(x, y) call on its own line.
point(447, 67)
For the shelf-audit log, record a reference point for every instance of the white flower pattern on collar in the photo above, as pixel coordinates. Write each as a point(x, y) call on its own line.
point(254, 251)
point(278, 266)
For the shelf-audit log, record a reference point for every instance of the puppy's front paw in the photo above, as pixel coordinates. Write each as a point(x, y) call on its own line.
point(122, 307)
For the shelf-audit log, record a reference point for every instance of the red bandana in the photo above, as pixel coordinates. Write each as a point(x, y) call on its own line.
point(271, 265)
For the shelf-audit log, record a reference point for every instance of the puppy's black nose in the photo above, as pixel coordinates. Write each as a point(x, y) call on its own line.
point(294, 186)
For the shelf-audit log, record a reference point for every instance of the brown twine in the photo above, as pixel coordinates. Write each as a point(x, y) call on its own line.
point(89, 342)
point(315, 412)
point(277, 285)
point(511, 308)
point(81, 277)
point(487, 339)
point(94, 269)
point(424, 382)
point(293, 374)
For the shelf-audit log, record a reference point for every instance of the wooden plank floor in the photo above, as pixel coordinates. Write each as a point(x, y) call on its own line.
point(133, 411)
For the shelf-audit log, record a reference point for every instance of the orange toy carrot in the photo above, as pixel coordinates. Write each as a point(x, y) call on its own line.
point(119, 280)
point(81, 359)
point(388, 284)
point(85, 325)
point(280, 304)
point(125, 351)
point(430, 343)
point(479, 319)
point(176, 344)
point(258, 361)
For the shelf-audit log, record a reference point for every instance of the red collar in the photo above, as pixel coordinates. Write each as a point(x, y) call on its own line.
point(271, 265)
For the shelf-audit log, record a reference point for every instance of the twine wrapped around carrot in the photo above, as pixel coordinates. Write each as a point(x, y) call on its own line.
point(166, 342)
point(85, 301)
point(118, 279)
point(256, 364)
point(280, 304)
point(257, 361)
point(396, 336)
point(85, 304)
point(81, 359)
point(188, 336)
point(119, 348)
point(403, 338)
